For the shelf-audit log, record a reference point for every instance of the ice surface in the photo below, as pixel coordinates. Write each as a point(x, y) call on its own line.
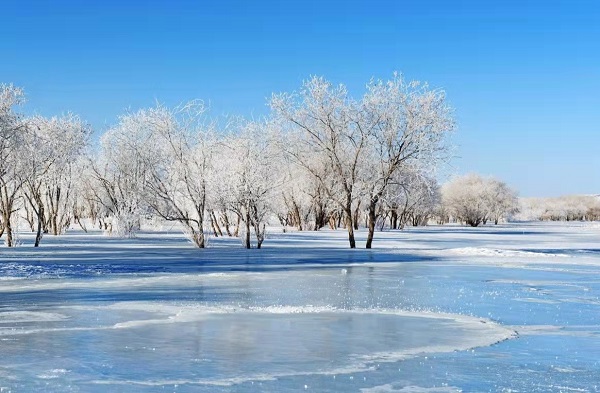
point(428, 310)
point(490, 252)
point(389, 388)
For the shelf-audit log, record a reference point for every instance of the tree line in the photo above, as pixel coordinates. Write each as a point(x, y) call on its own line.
point(321, 158)
point(565, 208)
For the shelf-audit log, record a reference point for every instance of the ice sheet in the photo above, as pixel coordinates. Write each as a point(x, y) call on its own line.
point(428, 310)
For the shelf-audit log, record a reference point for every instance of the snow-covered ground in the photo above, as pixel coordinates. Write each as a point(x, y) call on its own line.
point(436, 309)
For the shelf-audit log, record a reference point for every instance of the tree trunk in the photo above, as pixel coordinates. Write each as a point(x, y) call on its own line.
point(225, 219)
point(349, 221)
point(394, 219)
point(30, 219)
point(350, 227)
point(53, 225)
point(216, 222)
point(356, 213)
point(247, 239)
point(258, 231)
point(197, 237)
point(201, 239)
point(260, 235)
point(236, 233)
point(9, 232)
point(78, 221)
point(40, 219)
point(297, 216)
point(332, 221)
point(384, 219)
point(319, 217)
point(212, 224)
point(372, 219)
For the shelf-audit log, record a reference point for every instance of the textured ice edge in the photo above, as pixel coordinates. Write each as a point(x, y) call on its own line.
point(481, 332)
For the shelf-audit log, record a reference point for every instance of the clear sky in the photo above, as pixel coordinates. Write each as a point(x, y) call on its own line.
point(523, 76)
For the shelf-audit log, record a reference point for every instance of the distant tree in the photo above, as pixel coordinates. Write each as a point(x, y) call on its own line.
point(475, 200)
point(564, 208)
point(502, 200)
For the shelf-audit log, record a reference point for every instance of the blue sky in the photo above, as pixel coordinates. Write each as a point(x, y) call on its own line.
point(523, 76)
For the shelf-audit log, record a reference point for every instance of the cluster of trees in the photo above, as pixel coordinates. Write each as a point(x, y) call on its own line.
point(321, 158)
point(565, 208)
point(475, 200)
point(38, 157)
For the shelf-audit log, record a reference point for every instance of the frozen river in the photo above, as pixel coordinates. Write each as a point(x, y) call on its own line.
point(441, 309)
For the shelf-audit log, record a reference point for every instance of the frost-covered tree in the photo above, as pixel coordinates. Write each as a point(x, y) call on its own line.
point(475, 200)
point(12, 133)
point(294, 207)
point(177, 185)
point(354, 148)
point(61, 180)
point(325, 134)
point(412, 198)
point(466, 199)
point(52, 146)
point(503, 201)
point(251, 176)
point(37, 158)
point(303, 205)
point(129, 153)
point(84, 205)
point(564, 208)
point(407, 124)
